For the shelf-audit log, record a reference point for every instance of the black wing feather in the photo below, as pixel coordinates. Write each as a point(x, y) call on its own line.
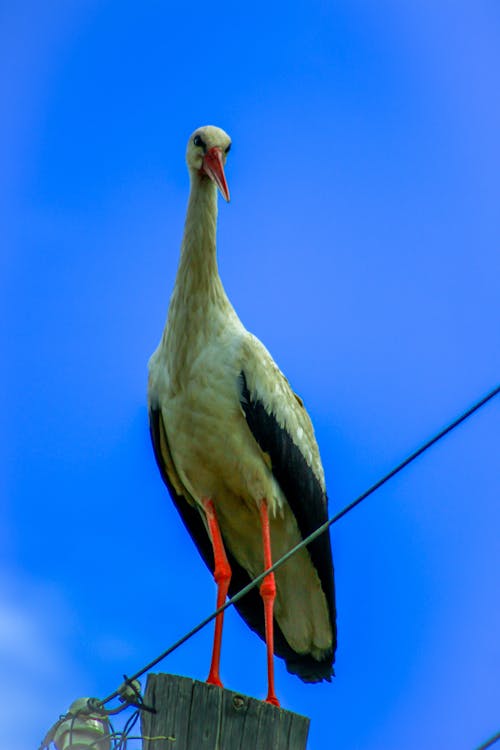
point(250, 606)
point(302, 490)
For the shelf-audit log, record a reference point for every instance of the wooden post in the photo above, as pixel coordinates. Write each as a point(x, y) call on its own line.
point(191, 715)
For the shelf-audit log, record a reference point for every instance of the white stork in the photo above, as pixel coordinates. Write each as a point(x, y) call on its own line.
point(236, 448)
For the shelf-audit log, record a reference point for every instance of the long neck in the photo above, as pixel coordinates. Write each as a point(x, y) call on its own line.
point(198, 273)
point(198, 286)
point(199, 301)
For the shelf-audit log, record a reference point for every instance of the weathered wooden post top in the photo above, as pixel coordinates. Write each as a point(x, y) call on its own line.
point(193, 715)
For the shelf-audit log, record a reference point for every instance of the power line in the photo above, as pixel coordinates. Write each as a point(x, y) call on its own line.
point(490, 742)
point(320, 530)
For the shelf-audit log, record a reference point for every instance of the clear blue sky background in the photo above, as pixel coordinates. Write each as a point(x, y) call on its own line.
point(361, 245)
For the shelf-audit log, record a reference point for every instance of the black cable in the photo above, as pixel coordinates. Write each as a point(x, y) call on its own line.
point(490, 742)
point(320, 530)
point(129, 725)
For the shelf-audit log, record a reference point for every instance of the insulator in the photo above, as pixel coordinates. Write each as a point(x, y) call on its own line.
point(84, 726)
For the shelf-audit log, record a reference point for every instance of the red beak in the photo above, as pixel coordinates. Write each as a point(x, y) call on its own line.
point(213, 167)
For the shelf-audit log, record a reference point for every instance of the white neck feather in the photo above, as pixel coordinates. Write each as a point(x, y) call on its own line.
point(198, 272)
point(199, 303)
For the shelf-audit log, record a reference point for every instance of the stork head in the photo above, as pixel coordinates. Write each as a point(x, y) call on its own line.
point(206, 154)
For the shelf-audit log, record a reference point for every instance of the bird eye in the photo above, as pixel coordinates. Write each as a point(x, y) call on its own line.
point(198, 141)
point(226, 150)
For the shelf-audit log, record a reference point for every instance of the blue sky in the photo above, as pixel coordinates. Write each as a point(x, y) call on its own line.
point(361, 245)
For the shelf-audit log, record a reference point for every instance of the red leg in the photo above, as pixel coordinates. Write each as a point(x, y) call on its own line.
point(222, 576)
point(268, 594)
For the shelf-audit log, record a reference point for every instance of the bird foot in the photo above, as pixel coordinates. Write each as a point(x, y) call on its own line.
point(214, 679)
point(273, 700)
